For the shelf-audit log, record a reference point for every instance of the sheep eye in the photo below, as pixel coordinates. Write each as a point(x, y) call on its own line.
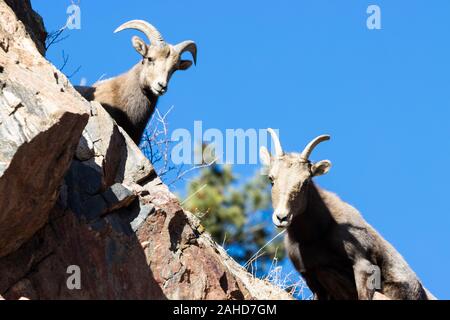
point(149, 59)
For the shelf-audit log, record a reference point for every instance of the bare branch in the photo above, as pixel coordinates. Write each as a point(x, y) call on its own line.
point(180, 175)
point(74, 72)
point(65, 59)
point(157, 146)
point(157, 143)
point(55, 37)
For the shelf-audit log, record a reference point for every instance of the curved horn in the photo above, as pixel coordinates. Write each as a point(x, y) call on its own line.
point(276, 141)
point(310, 147)
point(188, 46)
point(150, 31)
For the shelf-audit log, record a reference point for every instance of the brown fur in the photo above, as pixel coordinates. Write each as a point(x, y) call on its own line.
point(131, 98)
point(328, 240)
point(124, 99)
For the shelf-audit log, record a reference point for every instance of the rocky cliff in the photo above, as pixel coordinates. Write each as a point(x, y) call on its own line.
point(76, 191)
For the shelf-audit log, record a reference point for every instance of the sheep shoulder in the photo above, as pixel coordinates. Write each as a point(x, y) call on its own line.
point(124, 101)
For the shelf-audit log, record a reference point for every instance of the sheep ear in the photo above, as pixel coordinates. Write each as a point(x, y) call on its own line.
point(140, 46)
point(264, 156)
point(184, 64)
point(321, 167)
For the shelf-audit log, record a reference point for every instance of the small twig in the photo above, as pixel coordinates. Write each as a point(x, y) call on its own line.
point(74, 73)
point(157, 146)
point(252, 258)
point(224, 239)
point(101, 78)
point(55, 37)
point(65, 59)
point(197, 191)
point(162, 121)
point(182, 174)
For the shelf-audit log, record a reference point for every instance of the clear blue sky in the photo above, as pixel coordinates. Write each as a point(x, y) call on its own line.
point(307, 68)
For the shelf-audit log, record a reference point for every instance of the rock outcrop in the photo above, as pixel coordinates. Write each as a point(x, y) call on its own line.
point(78, 197)
point(31, 21)
point(40, 126)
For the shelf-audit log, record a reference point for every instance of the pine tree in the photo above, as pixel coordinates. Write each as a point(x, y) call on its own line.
point(236, 215)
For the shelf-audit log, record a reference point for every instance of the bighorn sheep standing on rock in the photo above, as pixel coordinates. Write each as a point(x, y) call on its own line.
point(337, 252)
point(131, 97)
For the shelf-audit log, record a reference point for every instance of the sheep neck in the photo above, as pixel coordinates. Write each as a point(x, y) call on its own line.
point(140, 104)
point(311, 224)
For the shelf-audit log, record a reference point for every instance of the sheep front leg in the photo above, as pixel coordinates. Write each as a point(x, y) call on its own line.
point(366, 278)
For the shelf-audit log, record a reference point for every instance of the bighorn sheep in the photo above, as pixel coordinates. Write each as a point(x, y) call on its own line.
point(337, 252)
point(131, 98)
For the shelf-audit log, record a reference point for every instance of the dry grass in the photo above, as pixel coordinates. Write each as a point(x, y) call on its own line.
point(291, 282)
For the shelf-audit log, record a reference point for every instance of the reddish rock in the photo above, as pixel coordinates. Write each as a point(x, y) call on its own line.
point(40, 127)
point(113, 221)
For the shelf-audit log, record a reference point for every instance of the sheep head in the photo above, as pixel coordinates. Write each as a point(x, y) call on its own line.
point(290, 175)
point(159, 59)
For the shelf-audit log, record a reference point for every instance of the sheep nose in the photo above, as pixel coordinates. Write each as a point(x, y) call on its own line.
point(280, 220)
point(162, 85)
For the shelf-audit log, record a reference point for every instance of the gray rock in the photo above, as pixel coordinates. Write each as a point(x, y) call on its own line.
point(40, 127)
point(118, 196)
point(85, 148)
point(115, 152)
point(145, 211)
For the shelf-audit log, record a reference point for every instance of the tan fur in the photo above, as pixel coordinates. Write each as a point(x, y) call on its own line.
point(131, 98)
point(328, 240)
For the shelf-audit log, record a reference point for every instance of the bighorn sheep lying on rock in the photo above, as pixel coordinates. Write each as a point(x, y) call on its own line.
point(337, 252)
point(131, 97)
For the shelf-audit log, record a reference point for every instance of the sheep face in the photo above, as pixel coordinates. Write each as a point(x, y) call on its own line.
point(290, 175)
point(158, 64)
point(159, 59)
